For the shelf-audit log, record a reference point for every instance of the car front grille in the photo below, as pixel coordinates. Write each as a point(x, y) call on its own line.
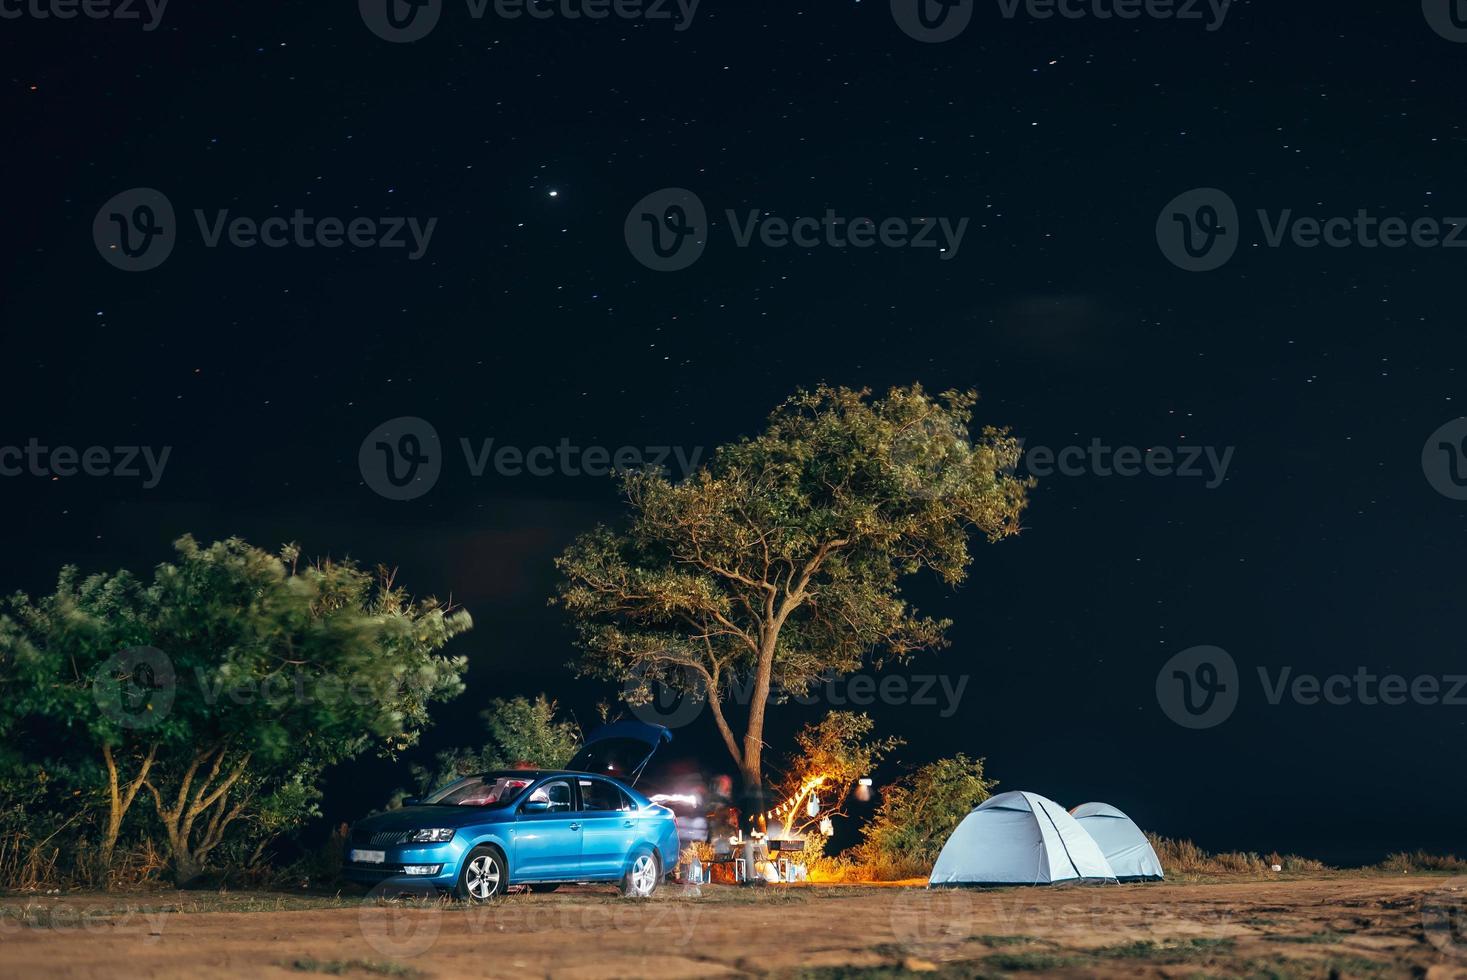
point(375, 870)
point(382, 838)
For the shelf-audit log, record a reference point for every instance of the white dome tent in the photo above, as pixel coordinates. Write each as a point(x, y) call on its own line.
point(1130, 854)
point(1019, 838)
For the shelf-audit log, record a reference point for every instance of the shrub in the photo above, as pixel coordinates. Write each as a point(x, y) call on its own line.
point(1185, 857)
point(917, 815)
point(521, 733)
point(226, 683)
point(1404, 861)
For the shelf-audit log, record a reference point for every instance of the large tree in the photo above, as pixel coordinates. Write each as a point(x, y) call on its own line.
point(220, 689)
point(781, 561)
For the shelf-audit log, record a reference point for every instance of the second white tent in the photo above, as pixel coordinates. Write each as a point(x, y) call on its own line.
point(1019, 838)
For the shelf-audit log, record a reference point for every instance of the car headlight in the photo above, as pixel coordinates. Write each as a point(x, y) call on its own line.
point(436, 835)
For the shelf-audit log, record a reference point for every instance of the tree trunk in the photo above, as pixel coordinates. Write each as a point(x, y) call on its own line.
point(751, 767)
point(185, 867)
point(719, 719)
point(209, 799)
point(119, 801)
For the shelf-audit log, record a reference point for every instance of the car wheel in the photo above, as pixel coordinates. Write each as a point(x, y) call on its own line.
point(483, 876)
point(642, 875)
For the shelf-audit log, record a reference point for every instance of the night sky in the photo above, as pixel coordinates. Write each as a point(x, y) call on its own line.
point(529, 321)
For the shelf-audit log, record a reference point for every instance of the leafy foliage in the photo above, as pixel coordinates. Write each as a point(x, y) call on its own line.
point(259, 675)
point(781, 561)
point(919, 812)
point(831, 755)
point(521, 733)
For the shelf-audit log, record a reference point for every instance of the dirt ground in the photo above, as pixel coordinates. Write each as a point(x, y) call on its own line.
point(1335, 925)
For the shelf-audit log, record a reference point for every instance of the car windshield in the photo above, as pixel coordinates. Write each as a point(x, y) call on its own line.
point(479, 791)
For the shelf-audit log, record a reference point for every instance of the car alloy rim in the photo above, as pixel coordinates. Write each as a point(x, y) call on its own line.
point(483, 878)
point(644, 873)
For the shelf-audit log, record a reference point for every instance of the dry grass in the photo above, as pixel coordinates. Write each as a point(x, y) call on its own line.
point(702, 851)
point(886, 869)
point(25, 864)
point(1402, 862)
point(1184, 857)
point(140, 865)
point(840, 869)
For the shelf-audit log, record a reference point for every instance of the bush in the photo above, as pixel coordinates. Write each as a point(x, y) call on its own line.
point(522, 733)
point(1403, 862)
point(226, 683)
point(1185, 857)
point(917, 815)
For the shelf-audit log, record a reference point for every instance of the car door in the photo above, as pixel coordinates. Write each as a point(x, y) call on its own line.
point(609, 829)
point(547, 843)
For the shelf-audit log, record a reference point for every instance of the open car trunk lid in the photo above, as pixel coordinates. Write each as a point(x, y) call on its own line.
point(620, 750)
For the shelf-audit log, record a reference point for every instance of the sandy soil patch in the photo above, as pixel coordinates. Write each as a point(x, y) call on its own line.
point(1336, 925)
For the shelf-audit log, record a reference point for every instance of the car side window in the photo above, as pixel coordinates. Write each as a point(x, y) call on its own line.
point(599, 795)
point(557, 793)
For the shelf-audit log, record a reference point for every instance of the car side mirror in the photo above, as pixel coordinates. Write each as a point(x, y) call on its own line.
point(411, 801)
point(536, 806)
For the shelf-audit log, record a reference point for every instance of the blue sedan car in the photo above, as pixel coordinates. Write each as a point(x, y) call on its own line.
point(485, 832)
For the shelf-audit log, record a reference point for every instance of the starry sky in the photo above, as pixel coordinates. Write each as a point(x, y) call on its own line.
point(529, 321)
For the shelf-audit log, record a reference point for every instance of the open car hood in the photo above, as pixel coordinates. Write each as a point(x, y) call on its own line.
point(620, 750)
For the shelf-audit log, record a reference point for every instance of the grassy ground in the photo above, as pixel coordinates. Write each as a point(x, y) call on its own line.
point(1334, 924)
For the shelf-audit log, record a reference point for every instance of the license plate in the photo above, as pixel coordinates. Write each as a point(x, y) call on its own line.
point(368, 857)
